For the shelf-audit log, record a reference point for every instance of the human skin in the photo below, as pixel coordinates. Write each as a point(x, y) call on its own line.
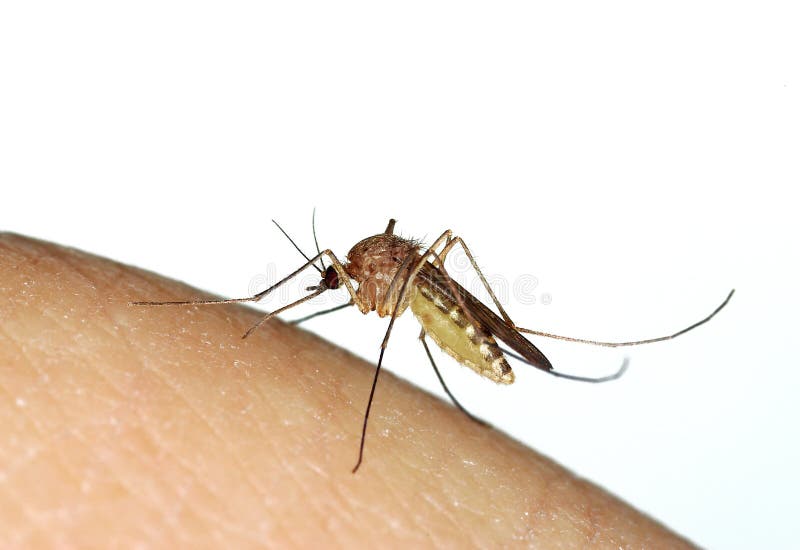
point(161, 427)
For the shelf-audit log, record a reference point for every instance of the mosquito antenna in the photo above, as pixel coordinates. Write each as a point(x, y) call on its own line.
point(594, 380)
point(314, 231)
point(285, 234)
point(636, 342)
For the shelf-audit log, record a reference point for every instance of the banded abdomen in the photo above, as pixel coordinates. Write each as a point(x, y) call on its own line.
point(469, 343)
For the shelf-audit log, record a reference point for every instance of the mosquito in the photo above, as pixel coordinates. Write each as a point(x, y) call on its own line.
point(388, 274)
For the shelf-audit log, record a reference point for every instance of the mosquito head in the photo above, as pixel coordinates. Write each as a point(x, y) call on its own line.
point(330, 280)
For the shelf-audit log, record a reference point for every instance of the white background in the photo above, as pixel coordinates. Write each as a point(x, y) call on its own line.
point(637, 161)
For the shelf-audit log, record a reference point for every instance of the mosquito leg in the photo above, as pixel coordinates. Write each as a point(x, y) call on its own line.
point(443, 254)
point(438, 261)
point(458, 240)
point(403, 291)
point(269, 316)
point(366, 413)
point(458, 405)
point(384, 344)
point(407, 283)
point(319, 313)
point(430, 252)
point(337, 265)
point(635, 342)
point(591, 379)
point(254, 298)
point(343, 276)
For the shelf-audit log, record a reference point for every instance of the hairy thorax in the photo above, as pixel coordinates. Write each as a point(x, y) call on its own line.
point(380, 265)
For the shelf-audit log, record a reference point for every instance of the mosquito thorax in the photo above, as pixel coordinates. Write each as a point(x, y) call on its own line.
point(374, 263)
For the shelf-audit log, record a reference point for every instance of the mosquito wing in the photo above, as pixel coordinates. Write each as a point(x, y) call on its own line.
point(488, 319)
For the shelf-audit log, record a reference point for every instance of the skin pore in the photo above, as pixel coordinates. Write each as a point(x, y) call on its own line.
point(123, 426)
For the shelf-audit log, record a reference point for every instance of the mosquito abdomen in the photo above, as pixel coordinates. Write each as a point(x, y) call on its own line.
point(444, 321)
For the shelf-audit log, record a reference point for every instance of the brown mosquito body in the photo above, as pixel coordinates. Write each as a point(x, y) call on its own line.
point(459, 324)
point(389, 274)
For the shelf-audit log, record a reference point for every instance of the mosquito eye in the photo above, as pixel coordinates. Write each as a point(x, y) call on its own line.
point(331, 278)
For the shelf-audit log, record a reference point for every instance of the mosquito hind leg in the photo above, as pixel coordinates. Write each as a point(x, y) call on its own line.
point(633, 342)
point(451, 243)
point(458, 405)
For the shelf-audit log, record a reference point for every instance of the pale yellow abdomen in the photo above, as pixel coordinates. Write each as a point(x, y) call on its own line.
point(446, 324)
